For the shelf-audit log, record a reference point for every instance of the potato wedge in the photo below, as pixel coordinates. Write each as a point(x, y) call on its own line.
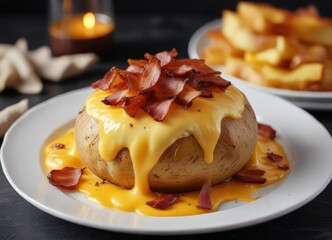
point(218, 40)
point(241, 69)
point(280, 48)
point(297, 79)
point(326, 82)
point(284, 50)
point(300, 78)
point(312, 29)
point(263, 18)
point(315, 53)
point(242, 37)
point(219, 49)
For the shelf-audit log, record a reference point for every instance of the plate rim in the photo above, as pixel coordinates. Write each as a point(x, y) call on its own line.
point(297, 96)
point(148, 230)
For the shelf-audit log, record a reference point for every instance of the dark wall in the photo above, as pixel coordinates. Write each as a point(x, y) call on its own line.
point(213, 7)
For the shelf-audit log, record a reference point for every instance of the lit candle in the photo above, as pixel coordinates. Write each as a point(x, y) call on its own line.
point(81, 33)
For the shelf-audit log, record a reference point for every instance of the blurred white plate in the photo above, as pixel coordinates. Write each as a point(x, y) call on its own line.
point(305, 99)
point(306, 141)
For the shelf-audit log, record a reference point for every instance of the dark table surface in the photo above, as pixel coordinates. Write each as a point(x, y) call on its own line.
point(134, 37)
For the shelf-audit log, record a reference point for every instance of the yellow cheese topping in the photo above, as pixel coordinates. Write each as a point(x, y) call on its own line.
point(147, 139)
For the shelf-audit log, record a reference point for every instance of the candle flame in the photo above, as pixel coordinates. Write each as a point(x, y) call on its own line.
point(89, 20)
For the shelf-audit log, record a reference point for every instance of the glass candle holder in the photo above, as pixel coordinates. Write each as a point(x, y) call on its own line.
point(81, 26)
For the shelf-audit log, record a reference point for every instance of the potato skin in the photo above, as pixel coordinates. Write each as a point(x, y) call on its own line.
point(182, 166)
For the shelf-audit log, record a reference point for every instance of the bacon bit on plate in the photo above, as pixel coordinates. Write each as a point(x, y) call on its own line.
point(163, 201)
point(58, 146)
point(273, 157)
point(251, 176)
point(204, 197)
point(67, 177)
point(266, 131)
point(157, 81)
point(283, 166)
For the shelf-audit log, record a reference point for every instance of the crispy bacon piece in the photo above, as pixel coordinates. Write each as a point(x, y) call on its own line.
point(198, 65)
point(163, 201)
point(283, 166)
point(106, 82)
point(136, 65)
point(150, 74)
point(276, 158)
point(131, 80)
point(155, 82)
point(132, 104)
point(204, 200)
point(181, 71)
point(187, 95)
point(251, 176)
point(168, 86)
point(158, 108)
point(67, 177)
point(202, 82)
point(266, 131)
point(273, 157)
point(115, 98)
point(165, 57)
point(58, 146)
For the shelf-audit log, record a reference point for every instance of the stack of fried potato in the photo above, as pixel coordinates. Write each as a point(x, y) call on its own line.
point(274, 47)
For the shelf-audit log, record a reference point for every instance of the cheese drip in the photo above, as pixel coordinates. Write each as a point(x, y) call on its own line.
point(112, 196)
point(147, 139)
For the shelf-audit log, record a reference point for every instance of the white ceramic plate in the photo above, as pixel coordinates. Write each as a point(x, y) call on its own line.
point(305, 99)
point(306, 141)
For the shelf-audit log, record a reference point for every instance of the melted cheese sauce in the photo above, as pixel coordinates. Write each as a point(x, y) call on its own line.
point(112, 196)
point(147, 139)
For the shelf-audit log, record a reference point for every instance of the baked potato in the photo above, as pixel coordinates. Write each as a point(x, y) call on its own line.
point(182, 166)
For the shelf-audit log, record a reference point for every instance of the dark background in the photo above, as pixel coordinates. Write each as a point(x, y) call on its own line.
point(141, 26)
point(164, 15)
point(212, 7)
